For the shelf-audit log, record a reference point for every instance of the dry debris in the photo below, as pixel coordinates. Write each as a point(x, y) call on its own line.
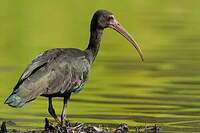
point(83, 128)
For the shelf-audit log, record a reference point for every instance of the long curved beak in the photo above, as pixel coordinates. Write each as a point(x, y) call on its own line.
point(116, 26)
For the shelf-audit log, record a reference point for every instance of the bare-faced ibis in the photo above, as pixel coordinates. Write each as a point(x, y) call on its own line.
point(59, 72)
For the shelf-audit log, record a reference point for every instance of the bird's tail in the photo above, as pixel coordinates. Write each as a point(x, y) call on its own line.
point(15, 101)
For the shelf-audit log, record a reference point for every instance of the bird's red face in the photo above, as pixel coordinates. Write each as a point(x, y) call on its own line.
point(112, 23)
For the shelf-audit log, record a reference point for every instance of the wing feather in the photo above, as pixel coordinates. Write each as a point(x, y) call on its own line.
point(54, 72)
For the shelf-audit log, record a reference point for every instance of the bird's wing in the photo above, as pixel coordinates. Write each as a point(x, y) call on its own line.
point(31, 84)
point(68, 74)
point(55, 71)
point(39, 62)
point(31, 68)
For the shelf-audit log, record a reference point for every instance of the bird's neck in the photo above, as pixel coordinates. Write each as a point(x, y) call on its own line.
point(95, 39)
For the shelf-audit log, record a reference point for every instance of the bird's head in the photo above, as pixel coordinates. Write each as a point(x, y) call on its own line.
point(105, 19)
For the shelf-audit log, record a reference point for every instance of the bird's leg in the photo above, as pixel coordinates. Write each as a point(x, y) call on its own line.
point(52, 111)
point(63, 115)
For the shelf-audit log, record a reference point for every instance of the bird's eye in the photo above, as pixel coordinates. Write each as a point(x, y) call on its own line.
point(111, 17)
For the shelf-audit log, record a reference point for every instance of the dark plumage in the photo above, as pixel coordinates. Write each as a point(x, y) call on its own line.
point(59, 72)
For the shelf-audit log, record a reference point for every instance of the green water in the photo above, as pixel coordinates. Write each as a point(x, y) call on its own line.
point(121, 89)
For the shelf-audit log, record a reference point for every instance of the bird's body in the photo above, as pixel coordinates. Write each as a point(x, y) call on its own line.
point(54, 73)
point(59, 72)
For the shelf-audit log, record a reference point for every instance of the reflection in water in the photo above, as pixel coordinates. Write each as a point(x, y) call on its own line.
point(164, 89)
